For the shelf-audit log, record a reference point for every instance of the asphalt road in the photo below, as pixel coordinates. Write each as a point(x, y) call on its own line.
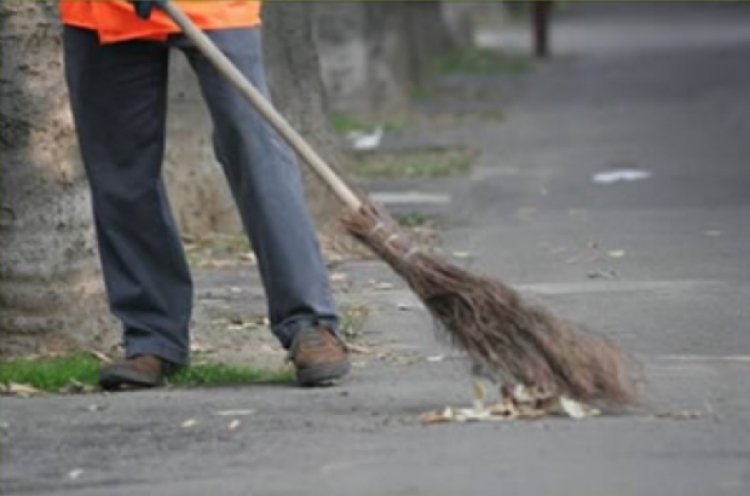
point(662, 264)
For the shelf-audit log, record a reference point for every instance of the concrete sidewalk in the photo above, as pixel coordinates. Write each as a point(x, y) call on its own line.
point(661, 264)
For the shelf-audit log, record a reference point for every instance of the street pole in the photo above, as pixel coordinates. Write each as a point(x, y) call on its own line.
point(540, 19)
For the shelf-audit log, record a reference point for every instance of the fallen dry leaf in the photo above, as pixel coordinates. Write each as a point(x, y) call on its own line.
point(680, 414)
point(100, 356)
point(446, 415)
point(248, 257)
point(480, 395)
point(20, 390)
point(576, 410)
point(199, 348)
point(96, 407)
point(234, 413)
point(381, 286)
point(518, 402)
point(616, 253)
point(472, 415)
point(461, 254)
point(77, 387)
point(189, 423)
point(358, 348)
point(602, 274)
point(75, 474)
point(505, 409)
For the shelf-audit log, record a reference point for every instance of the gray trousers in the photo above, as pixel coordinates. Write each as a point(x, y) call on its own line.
point(118, 95)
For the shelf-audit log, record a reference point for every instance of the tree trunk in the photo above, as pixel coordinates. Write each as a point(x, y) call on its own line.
point(297, 91)
point(357, 46)
point(425, 35)
point(52, 295)
point(459, 18)
point(372, 53)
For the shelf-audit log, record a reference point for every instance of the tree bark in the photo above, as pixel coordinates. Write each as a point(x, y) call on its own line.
point(357, 44)
point(51, 296)
point(459, 18)
point(425, 35)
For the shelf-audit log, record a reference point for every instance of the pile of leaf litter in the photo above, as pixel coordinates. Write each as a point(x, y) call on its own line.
point(515, 404)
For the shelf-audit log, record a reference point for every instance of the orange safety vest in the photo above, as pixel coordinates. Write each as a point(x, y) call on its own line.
point(117, 21)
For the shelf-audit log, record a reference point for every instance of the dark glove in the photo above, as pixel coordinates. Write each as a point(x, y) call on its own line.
point(143, 8)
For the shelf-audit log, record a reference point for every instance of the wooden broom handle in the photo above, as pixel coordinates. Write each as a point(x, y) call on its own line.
point(262, 105)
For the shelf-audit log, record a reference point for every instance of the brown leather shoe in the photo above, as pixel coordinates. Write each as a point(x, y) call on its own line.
point(319, 356)
point(142, 371)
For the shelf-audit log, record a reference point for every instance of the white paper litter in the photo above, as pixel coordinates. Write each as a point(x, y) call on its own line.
point(615, 176)
point(366, 141)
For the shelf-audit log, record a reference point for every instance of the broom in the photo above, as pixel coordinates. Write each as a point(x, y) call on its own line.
point(506, 338)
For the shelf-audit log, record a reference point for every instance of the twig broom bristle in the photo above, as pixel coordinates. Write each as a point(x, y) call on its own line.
point(502, 334)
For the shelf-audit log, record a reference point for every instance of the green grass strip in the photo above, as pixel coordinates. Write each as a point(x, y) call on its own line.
point(54, 374)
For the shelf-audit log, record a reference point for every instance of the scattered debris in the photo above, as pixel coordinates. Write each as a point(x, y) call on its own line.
point(602, 274)
point(381, 286)
point(444, 416)
point(394, 357)
point(436, 358)
point(234, 413)
point(77, 387)
point(358, 348)
point(241, 327)
point(518, 403)
point(366, 141)
point(353, 320)
point(97, 407)
point(249, 257)
point(575, 409)
point(616, 176)
point(20, 390)
point(233, 424)
point(461, 254)
point(680, 414)
point(75, 474)
point(189, 423)
point(616, 253)
point(100, 356)
point(199, 348)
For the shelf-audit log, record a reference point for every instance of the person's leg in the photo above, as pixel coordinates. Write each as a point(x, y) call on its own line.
point(265, 178)
point(118, 96)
